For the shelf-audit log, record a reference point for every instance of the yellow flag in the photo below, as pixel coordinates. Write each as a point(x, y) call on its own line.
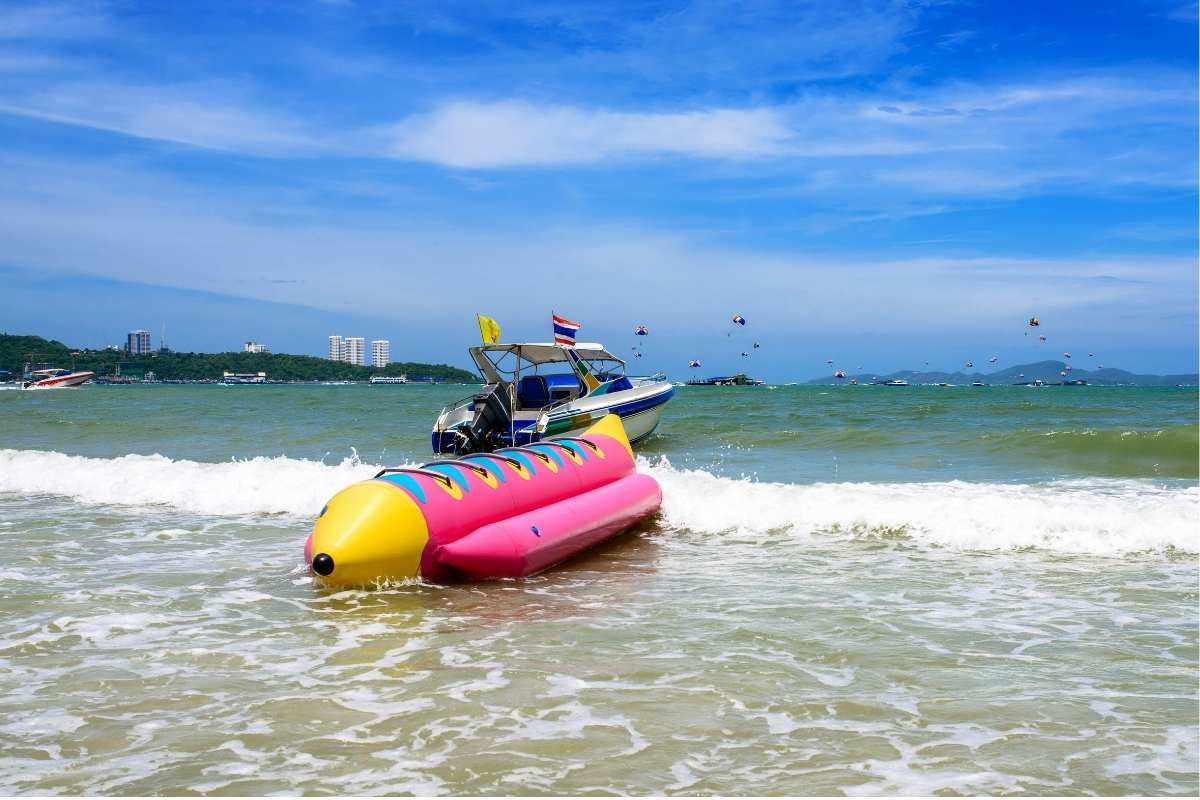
point(489, 329)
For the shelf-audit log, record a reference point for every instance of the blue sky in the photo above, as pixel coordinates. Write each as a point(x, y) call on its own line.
point(881, 184)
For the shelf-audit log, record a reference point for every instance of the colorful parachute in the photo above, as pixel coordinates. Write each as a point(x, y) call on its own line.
point(757, 345)
point(1041, 338)
point(738, 319)
point(641, 330)
point(745, 354)
point(993, 360)
point(969, 364)
point(1034, 322)
point(829, 361)
point(693, 363)
point(841, 373)
point(1066, 355)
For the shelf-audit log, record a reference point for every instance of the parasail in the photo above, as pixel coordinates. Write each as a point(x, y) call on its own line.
point(757, 345)
point(738, 319)
point(969, 364)
point(841, 373)
point(1034, 322)
point(993, 360)
point(1066, 355)
point(641, 330)
point(693, 363)
point(1042, 338)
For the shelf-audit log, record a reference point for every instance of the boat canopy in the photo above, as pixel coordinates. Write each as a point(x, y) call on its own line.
point(502, 362)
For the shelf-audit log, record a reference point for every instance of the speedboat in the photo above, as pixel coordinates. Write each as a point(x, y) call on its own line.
point(536, 391)
point(55, 379)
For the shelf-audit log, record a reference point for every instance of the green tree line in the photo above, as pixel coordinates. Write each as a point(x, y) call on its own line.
point(15, 351)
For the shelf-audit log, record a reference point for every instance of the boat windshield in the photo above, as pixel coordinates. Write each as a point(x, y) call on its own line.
point(507, 363)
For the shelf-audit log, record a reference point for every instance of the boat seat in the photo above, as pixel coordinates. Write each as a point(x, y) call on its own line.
point(562, 387)
point(532, 392)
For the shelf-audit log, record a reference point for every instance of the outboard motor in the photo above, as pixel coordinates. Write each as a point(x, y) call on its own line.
point(492, 418)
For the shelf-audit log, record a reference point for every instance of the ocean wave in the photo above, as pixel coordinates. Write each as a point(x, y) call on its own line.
point(1172, 451)
point(1094, 516)
point(262, 485)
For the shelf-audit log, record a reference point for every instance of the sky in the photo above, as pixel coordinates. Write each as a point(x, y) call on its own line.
point(880, 184)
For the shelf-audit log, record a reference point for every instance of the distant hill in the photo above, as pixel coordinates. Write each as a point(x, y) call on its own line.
point(16, 350)
point(1045, 371)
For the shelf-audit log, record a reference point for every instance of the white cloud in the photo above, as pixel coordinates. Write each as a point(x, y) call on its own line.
point(514, 133)
point(205, 115)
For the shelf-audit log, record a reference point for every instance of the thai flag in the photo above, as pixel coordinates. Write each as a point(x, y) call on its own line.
point(564, 330)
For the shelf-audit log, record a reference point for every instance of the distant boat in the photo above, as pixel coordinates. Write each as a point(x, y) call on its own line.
point(388, 379)
point(740, 379)
point(56, 379)
point(892, 382)
point(239, 378)
point(978, 383)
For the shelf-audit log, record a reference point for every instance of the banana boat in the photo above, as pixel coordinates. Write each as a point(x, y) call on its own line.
point(505, 514)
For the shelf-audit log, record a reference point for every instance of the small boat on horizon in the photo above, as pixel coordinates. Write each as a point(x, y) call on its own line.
point(740, 379)
point(526, 397)
point(892, 382)
point(55, 378)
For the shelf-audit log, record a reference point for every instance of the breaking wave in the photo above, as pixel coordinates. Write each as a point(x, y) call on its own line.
point(1094, 516)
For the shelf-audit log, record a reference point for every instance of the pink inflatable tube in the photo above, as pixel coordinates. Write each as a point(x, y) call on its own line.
point(505, 514)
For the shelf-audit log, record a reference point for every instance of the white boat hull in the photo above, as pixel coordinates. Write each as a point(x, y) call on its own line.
point(72, 381)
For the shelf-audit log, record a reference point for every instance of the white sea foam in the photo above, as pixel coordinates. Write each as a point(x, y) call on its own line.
point(256, 486)
point(1102, 517)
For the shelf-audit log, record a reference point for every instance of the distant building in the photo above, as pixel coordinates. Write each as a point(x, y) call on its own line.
point(354, 352)
point(137, 343)
point(337, 348)
point(256, 347)
point(381, 353)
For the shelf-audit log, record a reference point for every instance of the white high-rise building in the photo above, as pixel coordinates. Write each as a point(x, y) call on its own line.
point(255, 347)
point(381, 353)
point(137, 343)
point(354, 350)
point(337, 348)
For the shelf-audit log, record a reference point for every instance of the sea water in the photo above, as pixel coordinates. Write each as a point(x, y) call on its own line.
point(854, 590)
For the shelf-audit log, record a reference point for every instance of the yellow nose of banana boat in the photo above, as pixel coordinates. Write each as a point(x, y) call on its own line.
point(368, 530)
